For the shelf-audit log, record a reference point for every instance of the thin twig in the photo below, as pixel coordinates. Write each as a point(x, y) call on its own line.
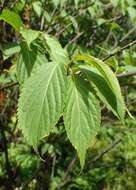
point(81, 11)
point(75, 38)
point(120, 50)
point(127, 74)
point(69, 168)
point(35, 174)
point(128, 34)
point(53, 166)
point(105, 150)
point(95, 27)
point(42, 23)
point(121, 129)
point(8, 86)
point(67, 172)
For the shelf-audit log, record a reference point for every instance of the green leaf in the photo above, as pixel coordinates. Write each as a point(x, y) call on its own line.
point(102, 88)
point(62, 3)
point(111, 80)
point(56, 2)
point(29, 35)
point(37, 6)
point(132, 13)
point(10, 49)
point(76, 3)
point(28, 60)
point(115, 2)
point(113, 63)
point(19, 6)
point(41, 101)
point(57, 53)
point(11, 18)
point(81, 115)
point(47, 16)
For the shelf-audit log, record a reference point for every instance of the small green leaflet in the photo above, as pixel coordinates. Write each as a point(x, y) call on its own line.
point(111, 80)
point(11, 18)
point(76, 3)
point(41, 101)
point(115, 2)
point(10, 49)
point(37, 6)
point(132, 13)
point(81, 115)
point(62, 3)
point(29, 35)
point(56, 52)
point(50, 43)
point(28, 60)
point(56, 2)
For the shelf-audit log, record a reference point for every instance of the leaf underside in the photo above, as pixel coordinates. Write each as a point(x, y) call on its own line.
point(111, 81)
point(81, 115)
point(28, 60)
point(103, 90)
point(41, 101)
point(56, 52)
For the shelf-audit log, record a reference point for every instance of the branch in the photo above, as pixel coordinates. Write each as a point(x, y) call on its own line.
point(122, 129)
point(128, 34)
point(81, 12)
point(35, 174)
point(8, 86)
point(127, 74)
point(69, 168)
point(105, 150)
point(120, 50)
point(67, 172)
point(53, 166)
point(75, 38)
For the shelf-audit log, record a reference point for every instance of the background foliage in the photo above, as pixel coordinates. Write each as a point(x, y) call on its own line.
point(100, 28)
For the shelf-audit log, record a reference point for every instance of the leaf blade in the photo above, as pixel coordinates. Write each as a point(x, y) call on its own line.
point(11, 18)
point(28, 60)
point(10, 49)
point(81, 116)
point(57, 53)
point(41, 102)
point(102, 88)
point(110, 78)
point(29, 35)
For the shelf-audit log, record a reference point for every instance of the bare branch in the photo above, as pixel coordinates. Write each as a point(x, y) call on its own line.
point(8, 86)
point(75, 38)
point(120, 50)
point(128, 34)
point(67, 172)
point(81, 12)
point(127, 74)
point(122, 129)
point(105, 150)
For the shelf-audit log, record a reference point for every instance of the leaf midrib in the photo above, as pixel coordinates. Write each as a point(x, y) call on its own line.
point(55, 66)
